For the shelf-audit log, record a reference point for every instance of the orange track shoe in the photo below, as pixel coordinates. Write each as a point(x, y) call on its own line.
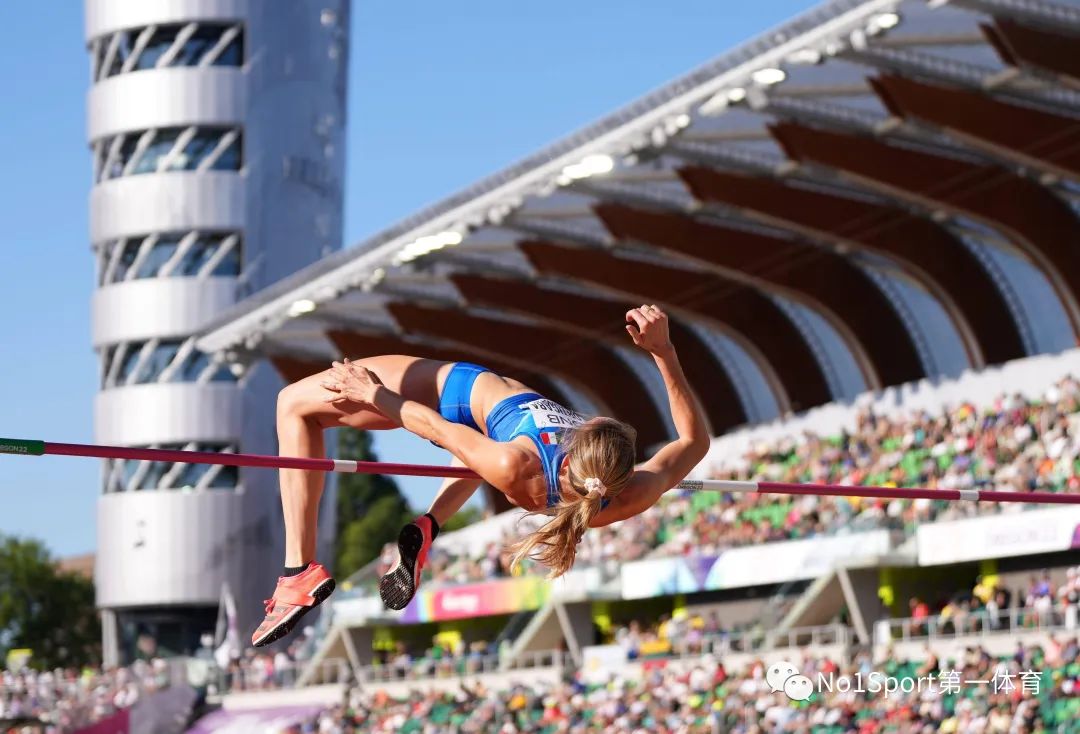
point(294, 597)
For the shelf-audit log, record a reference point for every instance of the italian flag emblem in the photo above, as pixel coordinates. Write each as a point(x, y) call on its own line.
point(550, 439)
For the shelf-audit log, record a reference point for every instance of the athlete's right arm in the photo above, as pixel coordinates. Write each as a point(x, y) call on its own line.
point(674, 461)
point(499, 464)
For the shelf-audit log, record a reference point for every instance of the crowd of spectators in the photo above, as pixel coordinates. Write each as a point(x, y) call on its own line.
point(993, 606)
point(681, 632)
point(63, 700)
point(66, 699)
point(687, 633)
point(1036, 689)
point(1033, 690)
point(1014, 444)
point(987, 606)
point(258, 670)
point(439, 660)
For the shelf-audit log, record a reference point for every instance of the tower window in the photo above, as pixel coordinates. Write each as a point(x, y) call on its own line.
point(193, 148)
point(168, 45)
point(172, 255)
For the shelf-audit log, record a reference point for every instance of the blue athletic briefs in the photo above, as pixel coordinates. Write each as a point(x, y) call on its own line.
point(526, 414)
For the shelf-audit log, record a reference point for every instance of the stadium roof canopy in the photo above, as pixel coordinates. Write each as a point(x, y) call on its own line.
point(875, 192)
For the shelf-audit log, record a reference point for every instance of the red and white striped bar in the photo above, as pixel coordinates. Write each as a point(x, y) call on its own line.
point(842, 490)
point(253, 460)
point(39, 448)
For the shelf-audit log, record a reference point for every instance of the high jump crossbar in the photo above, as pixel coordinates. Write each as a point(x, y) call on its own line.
point(24, 447)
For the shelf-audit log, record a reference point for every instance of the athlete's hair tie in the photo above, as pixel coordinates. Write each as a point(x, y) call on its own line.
point(594, 484)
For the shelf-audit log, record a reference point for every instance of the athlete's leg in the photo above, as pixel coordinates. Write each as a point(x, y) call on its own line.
point(302, 416)
point(398, 585)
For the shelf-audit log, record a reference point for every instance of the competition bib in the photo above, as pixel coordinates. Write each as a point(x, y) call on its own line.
point(549, 414)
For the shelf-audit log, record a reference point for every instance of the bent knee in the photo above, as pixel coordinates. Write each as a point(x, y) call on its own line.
point(298, 399)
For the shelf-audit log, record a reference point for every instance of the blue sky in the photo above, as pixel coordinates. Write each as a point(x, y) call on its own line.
point(438, 99)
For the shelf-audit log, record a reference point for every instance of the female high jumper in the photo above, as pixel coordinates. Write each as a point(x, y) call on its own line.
point(542, 456)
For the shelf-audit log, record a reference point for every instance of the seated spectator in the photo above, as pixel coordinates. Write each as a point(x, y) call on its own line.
point(984, 590)
point(920, 613)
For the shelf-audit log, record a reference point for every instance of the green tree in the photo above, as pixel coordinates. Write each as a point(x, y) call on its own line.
point(47, 610)
point(465, 516)
point(370, 507)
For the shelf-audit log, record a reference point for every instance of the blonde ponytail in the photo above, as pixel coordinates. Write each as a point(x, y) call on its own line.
point(601, 455)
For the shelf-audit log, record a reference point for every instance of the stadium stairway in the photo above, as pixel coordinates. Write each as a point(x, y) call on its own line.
point(554, 625)
point(339, 656)
point(513, 628)
point(852, 583)
point(543, 632)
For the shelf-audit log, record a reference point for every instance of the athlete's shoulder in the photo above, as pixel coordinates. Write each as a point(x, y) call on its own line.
point(515, 462)
point(550, 414)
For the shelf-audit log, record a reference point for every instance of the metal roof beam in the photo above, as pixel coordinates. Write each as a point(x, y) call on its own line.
point(730, 157)
point(929, 38)
point(1058, 15)
point(1022, 135)
point(926, 251)
point(1037, 49)
point(1039, 223)
point(603, 319)
point(733, 220)
point(557, 231)
point(748, 316)
point(910, 63)
point(829, 284)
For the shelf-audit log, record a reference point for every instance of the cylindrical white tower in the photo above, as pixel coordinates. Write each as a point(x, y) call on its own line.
point(217, 129)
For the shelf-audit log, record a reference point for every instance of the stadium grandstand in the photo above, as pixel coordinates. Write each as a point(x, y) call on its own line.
point(672, 620)
point(872, 194)
point(863, 224)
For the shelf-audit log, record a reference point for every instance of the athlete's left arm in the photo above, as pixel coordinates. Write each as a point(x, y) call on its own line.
point(498, 464)
point(670, 465)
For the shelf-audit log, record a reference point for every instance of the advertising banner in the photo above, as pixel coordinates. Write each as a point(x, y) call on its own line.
point(600, 662)
point(577, 583)
point(999, 536)
point(476, 600)
point(358, 610)
point(770, 563)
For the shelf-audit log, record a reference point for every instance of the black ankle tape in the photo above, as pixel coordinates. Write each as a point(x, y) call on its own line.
point(434, 525)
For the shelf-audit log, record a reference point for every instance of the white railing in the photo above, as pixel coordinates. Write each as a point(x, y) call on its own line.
point(755, 642)
point(339, 671)
point(460, 667)
point(248, 678)
point(1006, 621)
point(832, 634)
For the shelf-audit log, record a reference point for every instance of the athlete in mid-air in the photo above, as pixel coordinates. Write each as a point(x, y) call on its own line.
point(542, 456)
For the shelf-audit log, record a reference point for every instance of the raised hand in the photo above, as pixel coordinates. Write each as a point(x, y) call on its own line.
point(648, 327)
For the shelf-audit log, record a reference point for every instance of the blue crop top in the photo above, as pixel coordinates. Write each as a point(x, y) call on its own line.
point(544, 422)
point(527, 414)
